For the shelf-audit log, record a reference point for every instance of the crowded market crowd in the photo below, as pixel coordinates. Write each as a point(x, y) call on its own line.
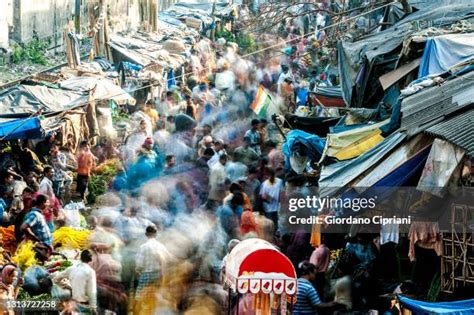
point(200, 171)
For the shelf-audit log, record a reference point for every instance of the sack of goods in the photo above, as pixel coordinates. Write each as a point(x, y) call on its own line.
point(175, 46)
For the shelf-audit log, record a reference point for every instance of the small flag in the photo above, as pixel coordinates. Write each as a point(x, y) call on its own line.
point(261, 102)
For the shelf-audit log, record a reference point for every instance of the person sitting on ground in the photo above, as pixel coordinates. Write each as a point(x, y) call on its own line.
point(9, 286)
point(43, 148)
point(26, 160)
point(6, 187)
point(14, 190)
point(83, 282)
point(29, 198)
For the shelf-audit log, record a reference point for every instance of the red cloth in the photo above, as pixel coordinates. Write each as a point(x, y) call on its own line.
point(247, 223)
point(28, 200)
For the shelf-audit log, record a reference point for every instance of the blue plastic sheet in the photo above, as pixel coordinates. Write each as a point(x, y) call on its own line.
point(465, 307)
point(3, 206)
point(443, 52)
point(27, 128)
point(313, 144)
point(302, 96)
point(171, 79)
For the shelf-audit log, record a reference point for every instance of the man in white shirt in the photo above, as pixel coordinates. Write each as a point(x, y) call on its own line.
point(149, 264)
point(83, 283)
point(219, 149)
point(271, 193)
point(46, 184)
point(286, 73)
point(166, 105)
point(217, 177)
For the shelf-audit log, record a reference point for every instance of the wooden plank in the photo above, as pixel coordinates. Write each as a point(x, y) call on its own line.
point(389, 79)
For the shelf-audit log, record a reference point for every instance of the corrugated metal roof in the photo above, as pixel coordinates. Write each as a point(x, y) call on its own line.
point(458, 130)
point(431, 105)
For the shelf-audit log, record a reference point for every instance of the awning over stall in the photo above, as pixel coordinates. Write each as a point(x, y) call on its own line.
point(28, 99)
point(395, 161)
point(336, 176)
point(443, 52)
point(255, 265)
point(104, 89)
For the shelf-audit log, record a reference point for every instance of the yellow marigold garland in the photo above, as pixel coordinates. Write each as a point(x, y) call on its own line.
point(71, 238)
point(25, 255)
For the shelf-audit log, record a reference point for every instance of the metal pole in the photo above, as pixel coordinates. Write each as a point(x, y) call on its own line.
point(228, 301)
point(238, 302)
point(291, 305)
point(77, 16)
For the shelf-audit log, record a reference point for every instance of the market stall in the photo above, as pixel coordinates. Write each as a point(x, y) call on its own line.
point(256, 267)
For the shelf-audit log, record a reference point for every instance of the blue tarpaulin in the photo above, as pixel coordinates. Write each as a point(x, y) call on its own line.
point(403, 173)
point(171, 79)
point(386, 186)
point(465, 307)
point(313, 144)
point(26, 128)
point(443, 52)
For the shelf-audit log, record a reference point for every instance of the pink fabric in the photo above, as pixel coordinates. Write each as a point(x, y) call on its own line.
point(7, 270)
point(320, 258)
point(276, 159)
point(425, 235)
